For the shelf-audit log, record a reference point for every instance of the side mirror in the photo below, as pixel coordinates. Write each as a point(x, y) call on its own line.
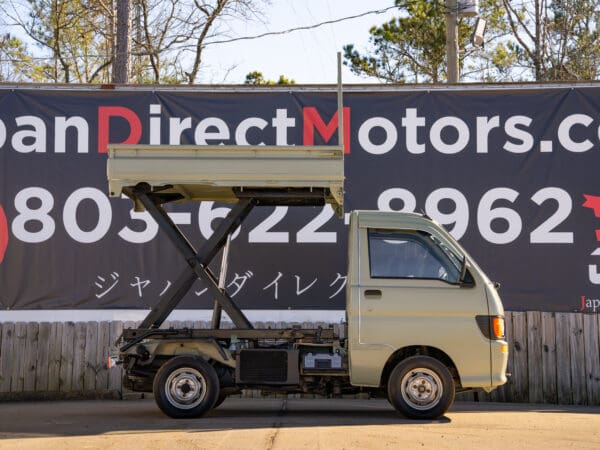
point(463, 270)
point(466, 279)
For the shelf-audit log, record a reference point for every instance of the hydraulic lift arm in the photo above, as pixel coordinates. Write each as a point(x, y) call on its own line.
point(198, 261)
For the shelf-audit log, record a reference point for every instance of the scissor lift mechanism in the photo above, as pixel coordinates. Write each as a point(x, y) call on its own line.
point(198, 263)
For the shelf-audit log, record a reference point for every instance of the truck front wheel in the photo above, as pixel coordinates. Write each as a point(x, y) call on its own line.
point(421, 387)
point(186, 387)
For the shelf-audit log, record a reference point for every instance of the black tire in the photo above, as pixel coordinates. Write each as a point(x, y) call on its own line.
point(421, 387)
point(220, 399)
point(186, 387)
point(388, 398)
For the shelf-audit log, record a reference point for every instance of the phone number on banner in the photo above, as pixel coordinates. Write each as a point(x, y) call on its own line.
point(497, 220)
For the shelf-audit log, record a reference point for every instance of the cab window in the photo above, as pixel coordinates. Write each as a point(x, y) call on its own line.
point(410, 254)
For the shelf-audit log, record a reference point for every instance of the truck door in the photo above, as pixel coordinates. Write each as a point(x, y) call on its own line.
point(409, 294)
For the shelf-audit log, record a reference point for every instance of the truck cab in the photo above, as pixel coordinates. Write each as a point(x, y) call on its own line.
point(417, 300)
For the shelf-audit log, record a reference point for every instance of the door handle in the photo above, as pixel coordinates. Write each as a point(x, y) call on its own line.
point(372, 294)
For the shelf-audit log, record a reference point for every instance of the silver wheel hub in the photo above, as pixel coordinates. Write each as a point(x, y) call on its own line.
point(421, 388)
point(185, 388)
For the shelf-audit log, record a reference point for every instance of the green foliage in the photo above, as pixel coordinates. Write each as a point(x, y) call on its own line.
point(410, 48)
point(15, 62)
point(555, 40)
point(283, 80)
point(257, 78)
point(71, 30)
point(574, 38)
point(75, 40)
point(529, 40)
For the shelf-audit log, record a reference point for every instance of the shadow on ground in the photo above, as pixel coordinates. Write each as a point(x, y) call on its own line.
point(80, 418)
point(84, 418)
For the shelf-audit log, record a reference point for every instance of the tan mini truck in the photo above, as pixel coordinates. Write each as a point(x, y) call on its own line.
point(423, 321)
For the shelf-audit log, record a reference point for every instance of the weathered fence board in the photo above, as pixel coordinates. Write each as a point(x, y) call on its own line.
point(520, 367)
point(8, 350)
point(30, 357)
point(66, 357)
point(563, 360)
point(1, 370)
point(79, 356)
point(554, 357)
point(577, 349)
point(18, 370)
point(591, 331)
point(549, 357)
point(43, 354)
point(90, 356)
point(102, 346)
point(115, 375)
point(54, 356)
point(534, 362)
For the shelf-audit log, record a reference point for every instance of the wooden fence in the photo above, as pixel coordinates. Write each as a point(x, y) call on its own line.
point(554, 358)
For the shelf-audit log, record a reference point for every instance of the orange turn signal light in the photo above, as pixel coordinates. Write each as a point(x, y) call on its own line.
point(503, 348)
point(498, 327)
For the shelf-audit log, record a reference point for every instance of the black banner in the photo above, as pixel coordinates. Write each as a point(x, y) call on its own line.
point(512, 173)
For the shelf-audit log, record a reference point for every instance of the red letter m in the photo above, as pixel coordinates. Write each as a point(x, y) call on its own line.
point(312, 121)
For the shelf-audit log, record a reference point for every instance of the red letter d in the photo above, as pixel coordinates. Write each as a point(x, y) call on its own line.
point(104, 115)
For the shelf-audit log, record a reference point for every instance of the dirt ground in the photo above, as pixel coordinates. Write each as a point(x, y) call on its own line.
point(294, 424)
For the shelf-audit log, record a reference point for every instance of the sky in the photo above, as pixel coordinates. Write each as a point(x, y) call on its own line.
point(308, 57)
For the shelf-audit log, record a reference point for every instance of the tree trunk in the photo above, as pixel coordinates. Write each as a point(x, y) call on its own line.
point(538, 41)
point(122, 65)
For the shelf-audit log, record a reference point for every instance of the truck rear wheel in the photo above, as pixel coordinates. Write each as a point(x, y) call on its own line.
point(186, 387)
point(421, 387)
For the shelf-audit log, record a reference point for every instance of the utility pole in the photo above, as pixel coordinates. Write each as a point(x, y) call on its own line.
point(452, 40)
point(122, 62)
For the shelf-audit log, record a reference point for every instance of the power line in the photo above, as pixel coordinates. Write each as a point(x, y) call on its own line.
point(242, 38)
point(457, 9)
point(258, 36)
point(303, 28)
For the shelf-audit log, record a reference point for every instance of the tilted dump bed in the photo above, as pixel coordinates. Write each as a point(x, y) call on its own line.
point(221, 173)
